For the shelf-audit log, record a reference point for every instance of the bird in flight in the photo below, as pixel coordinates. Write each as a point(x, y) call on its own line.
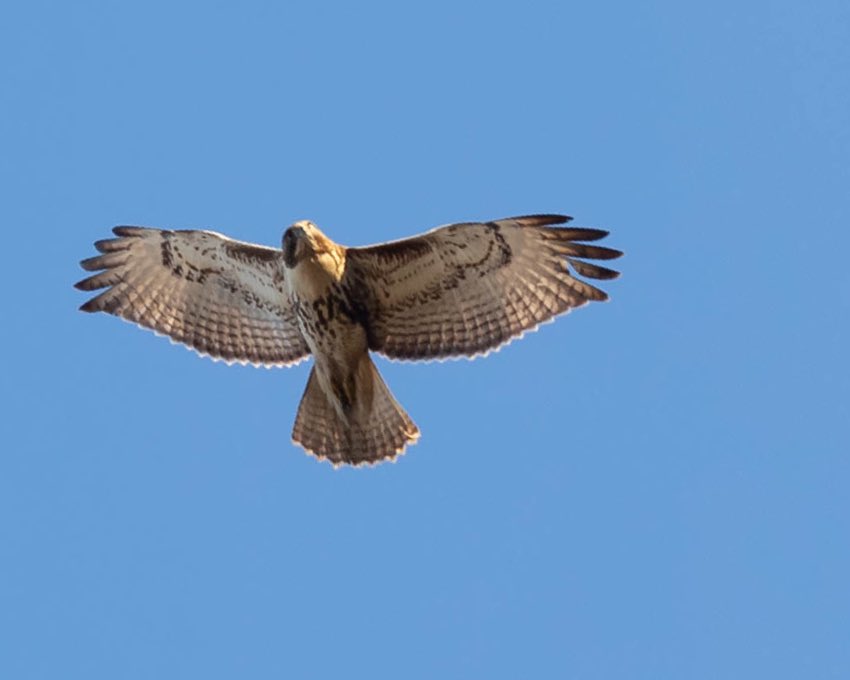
point(457, 291)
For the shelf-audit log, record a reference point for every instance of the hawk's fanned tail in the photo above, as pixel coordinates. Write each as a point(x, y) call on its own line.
point(376, 427)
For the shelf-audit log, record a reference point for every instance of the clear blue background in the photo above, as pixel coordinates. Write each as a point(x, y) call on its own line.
point(652, 488)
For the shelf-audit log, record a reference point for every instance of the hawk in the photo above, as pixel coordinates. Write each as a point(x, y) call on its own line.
point(458, 290)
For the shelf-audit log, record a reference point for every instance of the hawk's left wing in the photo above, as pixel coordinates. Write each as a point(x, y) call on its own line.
point(464, 289)
point(221, 297)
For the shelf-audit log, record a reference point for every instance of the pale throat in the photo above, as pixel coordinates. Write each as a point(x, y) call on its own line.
point(313, 276)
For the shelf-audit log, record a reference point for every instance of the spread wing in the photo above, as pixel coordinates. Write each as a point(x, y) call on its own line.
point(465, 289)
point(221, 297)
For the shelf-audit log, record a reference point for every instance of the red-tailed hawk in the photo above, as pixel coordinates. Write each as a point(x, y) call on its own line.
point(459, 290)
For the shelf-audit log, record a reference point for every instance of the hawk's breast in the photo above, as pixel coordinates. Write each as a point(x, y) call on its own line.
point(330, 320)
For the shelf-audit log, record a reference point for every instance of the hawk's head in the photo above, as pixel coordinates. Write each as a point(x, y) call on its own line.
point(303, 240)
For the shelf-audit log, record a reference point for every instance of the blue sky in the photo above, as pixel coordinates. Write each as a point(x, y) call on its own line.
point(651, 488)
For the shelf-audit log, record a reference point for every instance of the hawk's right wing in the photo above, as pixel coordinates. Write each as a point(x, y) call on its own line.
point(464, 289)
point(221, 297)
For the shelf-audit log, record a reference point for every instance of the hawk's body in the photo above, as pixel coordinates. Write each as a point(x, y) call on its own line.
point(347, 413)
point(459, 290)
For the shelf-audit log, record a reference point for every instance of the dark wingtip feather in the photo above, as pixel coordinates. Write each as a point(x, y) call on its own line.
point(109, 245)
point(541, 220)
point(593, 252)
point(582, 234)
point(106, 301)
point(101, 280)
point(570, 235)
point(129, 231)
point(104, 261)
point(593, 271)
point(91, 264)
point(593, 293)
point(88, 307)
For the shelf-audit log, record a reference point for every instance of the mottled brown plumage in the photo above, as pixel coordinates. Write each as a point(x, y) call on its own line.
point(459, 290)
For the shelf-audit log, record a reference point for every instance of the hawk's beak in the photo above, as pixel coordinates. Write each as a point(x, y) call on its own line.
point(291, 241)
